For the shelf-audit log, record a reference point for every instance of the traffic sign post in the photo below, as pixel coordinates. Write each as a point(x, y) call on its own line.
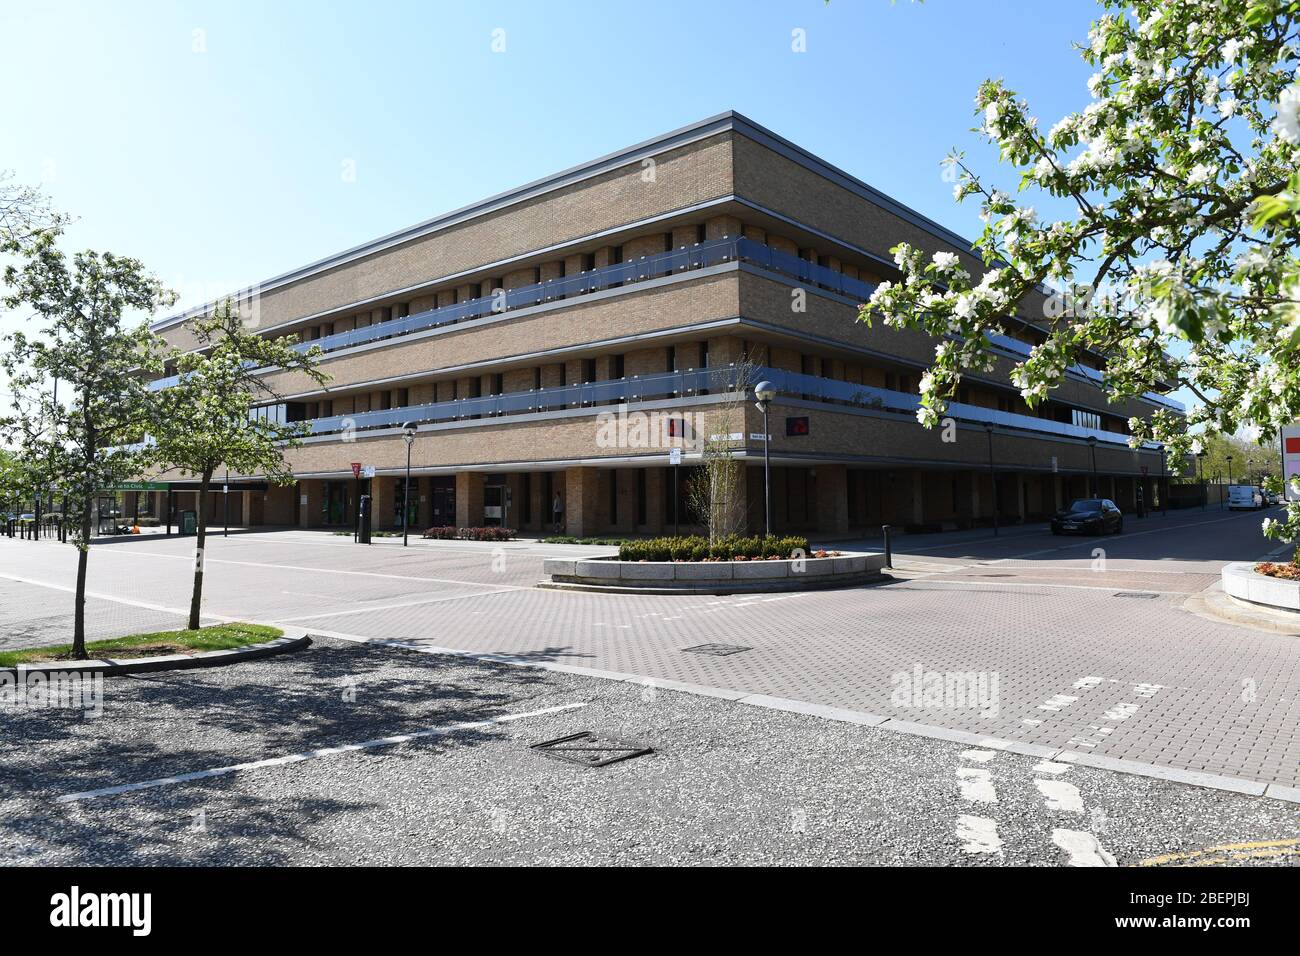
point(675, 459)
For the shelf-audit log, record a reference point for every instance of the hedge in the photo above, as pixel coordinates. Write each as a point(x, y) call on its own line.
point(697, 548)
point(449, 533)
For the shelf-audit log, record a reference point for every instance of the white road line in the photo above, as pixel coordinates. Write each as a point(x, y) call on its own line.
point(309, 755)
point(979, 756)
point(1083, 848)
point(1038, 584)
point(109, 597)
point(1059, 795)
point(976, 785)
point(394, 606)
point(978, 834)
point(189, 558)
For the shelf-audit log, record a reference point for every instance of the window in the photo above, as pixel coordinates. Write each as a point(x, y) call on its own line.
point(613, 497)
point(704, 354)
point(589, 370)
point(618, 366)
point(672, 358)
point(498, 383)
point(537, 377)
point(1085, 419)
point(526, 492)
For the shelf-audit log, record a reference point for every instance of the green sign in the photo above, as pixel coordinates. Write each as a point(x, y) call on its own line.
point(140, 486)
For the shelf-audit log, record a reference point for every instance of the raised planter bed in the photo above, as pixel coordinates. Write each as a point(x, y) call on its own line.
point(711, 577)
point(1243, 582)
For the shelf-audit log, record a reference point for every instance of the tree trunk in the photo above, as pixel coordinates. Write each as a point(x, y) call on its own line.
point(201, 529)
point(83, 558)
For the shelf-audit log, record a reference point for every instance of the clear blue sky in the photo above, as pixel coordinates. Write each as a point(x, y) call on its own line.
point(217, 157)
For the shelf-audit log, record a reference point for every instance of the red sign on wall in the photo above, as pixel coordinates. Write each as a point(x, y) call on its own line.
point(356, 469)
point(1293, 446)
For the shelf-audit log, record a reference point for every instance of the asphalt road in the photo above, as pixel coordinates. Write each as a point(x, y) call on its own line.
point(727, 783)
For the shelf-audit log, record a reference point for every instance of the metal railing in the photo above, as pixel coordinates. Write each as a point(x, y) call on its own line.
point(638, 388)
point(686, 384)
point(682, 259)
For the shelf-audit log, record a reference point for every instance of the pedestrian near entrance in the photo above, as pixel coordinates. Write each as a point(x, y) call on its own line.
point(557, 513)
point(1141, 503)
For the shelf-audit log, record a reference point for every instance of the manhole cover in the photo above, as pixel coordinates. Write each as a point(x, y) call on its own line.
point(717, 650)
point(1136, 594)
point(590, 750)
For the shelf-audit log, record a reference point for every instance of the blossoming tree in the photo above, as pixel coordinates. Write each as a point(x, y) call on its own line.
point(1177, 262)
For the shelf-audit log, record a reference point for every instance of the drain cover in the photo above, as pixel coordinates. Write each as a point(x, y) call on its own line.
point(1136, 594)
point(717, 650)
point(590, 750)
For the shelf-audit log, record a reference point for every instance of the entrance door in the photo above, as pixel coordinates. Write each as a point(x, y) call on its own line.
point(443, 495)
point(335, 504)
point(493, 504)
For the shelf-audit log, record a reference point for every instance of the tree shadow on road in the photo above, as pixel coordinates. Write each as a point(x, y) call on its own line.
point(161, 725)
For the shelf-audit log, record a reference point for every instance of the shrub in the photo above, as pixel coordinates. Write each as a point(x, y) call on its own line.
point(450, 533)
point(697, 548)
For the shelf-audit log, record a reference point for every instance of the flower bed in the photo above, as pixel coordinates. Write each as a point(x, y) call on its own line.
point(730, 548)
point(449, 533)
point(1288, 572)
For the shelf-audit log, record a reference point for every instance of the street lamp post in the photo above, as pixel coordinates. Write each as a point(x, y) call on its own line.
point(765, 392)
point(1096, 485)
point(408, 436)
point(993, 477)
point(225, 495)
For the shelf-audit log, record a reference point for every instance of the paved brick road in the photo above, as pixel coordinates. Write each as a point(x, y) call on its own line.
point(1077, 667)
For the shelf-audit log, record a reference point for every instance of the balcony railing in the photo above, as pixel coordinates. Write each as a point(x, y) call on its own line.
point(686, 384)
point(684, 259)
point(640, 388)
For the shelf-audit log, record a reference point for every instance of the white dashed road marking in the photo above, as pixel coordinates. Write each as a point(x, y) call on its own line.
point(976, 785)
point(1059, 795)
point(978, 834)
point(1082, 848)
point(979, 756)
point(310, 755)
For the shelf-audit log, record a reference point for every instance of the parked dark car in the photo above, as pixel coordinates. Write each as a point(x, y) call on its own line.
point(1089, 516)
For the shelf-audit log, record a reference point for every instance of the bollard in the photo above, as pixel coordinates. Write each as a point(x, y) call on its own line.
point(889, 551)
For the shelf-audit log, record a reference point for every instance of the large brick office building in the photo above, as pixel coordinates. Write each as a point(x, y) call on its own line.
point(510, 330)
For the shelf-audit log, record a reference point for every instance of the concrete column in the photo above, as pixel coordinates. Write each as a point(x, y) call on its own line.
point(654, 500)
point(383, 498)
point(310, 500)
point(580, 501)
point(720, 227)
point(1017, 483)
point(541, 507)
point(832, 499)
point(469, 499)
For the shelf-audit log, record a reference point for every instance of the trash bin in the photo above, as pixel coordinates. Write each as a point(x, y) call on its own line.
point(189, 522)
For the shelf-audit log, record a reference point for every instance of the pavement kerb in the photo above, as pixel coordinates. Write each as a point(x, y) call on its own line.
point(294, 639)
point(1192, 778)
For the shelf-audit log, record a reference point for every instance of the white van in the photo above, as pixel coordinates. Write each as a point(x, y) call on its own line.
point(1244, 496)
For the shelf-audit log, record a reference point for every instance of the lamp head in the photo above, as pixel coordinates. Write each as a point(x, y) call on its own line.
point(764, 392)
point(408, 432)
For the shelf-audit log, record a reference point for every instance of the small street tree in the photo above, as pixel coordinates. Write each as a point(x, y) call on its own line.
point(716, 495)
point(90, 438)
point(208, 418)
point(1177, 262)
